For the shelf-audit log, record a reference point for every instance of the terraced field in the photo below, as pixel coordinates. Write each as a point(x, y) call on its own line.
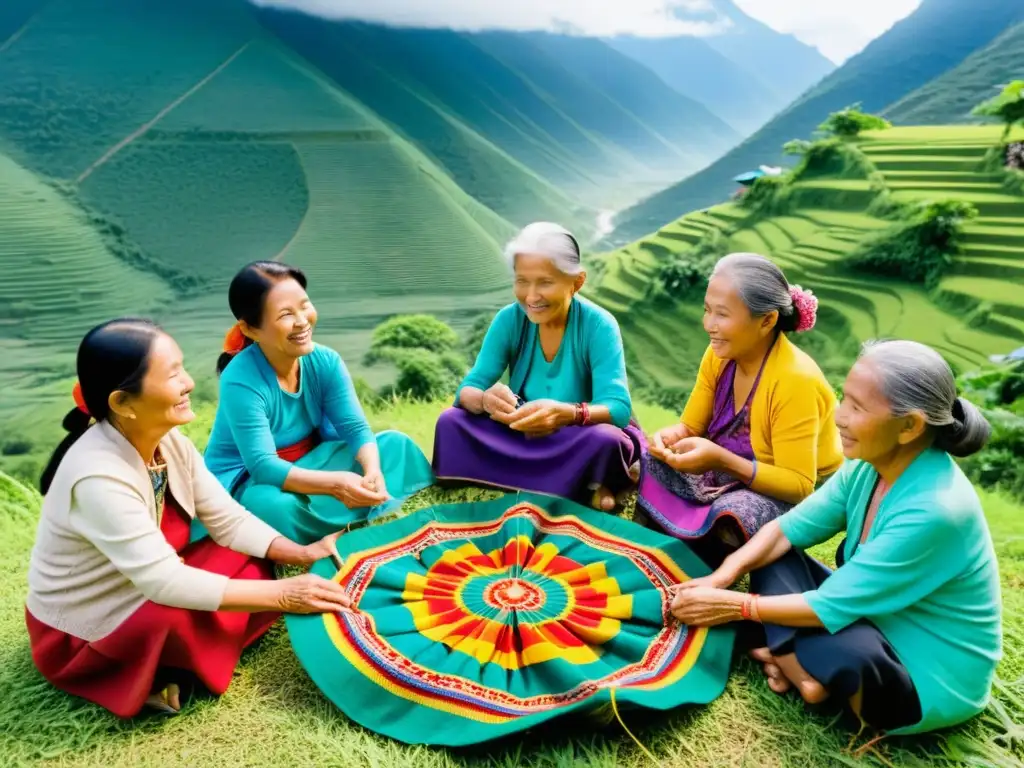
point(829, 219)
point(57, 268)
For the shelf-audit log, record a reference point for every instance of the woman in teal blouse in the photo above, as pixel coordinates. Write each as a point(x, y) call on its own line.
point(290, 440)
point(562, 423)
point(908, 628)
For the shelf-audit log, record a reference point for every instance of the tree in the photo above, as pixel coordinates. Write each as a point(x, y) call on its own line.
point(411, 332)
point(849, 122)
point(1008, 106)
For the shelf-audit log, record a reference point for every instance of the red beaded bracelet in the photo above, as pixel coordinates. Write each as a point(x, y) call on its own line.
point(584, 414)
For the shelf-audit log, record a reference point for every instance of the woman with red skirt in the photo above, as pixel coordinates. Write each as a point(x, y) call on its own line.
point(121, 609)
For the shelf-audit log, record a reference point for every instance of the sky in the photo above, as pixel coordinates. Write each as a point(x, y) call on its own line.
point(838, 28)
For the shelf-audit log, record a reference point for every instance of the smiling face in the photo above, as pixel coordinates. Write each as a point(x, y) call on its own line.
point(867, 427)
point(542, 290)
point(163, 400)
point(734, 332)
point(288, 320)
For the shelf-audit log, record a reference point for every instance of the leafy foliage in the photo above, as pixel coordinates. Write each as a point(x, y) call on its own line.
point(477, 331)
point(410, 332)
point(849, 122)
point(685, 274)
point(921, 249)
point(1008, 106)
point(831, 156)
point(425, 352)
point(768, 195)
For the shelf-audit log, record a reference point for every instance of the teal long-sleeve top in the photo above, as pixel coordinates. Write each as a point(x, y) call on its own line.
point(926, 576)
point(589, 367)
point(255, 417)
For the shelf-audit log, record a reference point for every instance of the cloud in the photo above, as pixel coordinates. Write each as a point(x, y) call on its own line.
point(649, 18)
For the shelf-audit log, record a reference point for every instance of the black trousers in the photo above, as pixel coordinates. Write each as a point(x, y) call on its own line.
point(857, 658)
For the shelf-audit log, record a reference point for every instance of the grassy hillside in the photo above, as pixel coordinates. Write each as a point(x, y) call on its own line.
point(828, 216)
point(951, 97)
point(273, 714)
point(935, 38)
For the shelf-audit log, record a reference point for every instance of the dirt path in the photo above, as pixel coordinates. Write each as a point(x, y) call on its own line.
point(159, 116)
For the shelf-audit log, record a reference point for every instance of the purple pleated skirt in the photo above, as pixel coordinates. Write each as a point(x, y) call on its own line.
point(571, 463)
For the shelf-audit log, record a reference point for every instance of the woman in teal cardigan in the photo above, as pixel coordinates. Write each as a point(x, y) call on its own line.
point(907, 629)
point(290, 440)
point(562, 423)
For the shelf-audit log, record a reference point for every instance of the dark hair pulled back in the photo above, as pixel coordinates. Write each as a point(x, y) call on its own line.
point(112, 357)
point(247, 296)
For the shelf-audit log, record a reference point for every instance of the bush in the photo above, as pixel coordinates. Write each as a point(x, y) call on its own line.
point(849, 122)
point(477, 331)
point(1008, 106)
point(18, 446)
point(411, 332)
point(767, 196)
point(425, 375)
point(832, 157)
point(920, 250)
point(685, 274)
point(1000, 466)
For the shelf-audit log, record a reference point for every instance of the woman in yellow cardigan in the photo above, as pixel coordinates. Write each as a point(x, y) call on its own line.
point(757, 433)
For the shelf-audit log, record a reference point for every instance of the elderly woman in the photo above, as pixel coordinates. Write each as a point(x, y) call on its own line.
point(757, 433)
point(907, 628)
point(290, 440)
point(121, 610)
point(562, 423)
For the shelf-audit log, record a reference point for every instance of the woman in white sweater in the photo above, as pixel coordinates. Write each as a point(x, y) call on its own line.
point(121, 610)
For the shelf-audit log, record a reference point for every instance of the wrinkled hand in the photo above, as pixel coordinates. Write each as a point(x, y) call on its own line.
point(543, 417)
point(664, 439)
point(499, 402)
point(720, 579)
point(311, 594)
point(318, 550)
point(374, 481)
point(704, 606)
point(348, 488)
point(693, 455)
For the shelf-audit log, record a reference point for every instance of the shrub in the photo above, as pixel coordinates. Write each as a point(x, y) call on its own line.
point(477, 331)
point(1008, 106)
point(18, 446)
point(425, 375)
point(411, 332)
point(921, 249)
point(833, 157)
point(768, 195)
point(686, 274)
point(849, 122)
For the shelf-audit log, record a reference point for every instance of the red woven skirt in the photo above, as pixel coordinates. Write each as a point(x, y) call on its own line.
point(121, 670)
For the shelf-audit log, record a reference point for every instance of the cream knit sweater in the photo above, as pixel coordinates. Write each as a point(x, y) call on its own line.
point(99, 553)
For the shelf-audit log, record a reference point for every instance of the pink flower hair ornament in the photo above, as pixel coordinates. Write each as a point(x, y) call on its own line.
point(806, 305)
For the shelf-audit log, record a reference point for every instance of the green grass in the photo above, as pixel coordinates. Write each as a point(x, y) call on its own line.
point(272, 713)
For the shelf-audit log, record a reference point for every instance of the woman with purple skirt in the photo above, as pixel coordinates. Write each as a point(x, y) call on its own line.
point(562, 425)
point(757, 433)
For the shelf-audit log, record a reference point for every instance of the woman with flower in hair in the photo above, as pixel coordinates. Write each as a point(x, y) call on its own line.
point(757, 433)
point(290, 440)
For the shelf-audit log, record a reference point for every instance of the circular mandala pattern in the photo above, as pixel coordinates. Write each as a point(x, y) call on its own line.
point(514, 594)
point(479, 620)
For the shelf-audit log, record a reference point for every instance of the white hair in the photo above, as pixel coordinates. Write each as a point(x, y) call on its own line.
point(915, 377)
point(553, 241)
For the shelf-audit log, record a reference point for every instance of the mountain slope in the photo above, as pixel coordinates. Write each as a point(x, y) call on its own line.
point(695, 69)
point(788, 66)
point(203, 142)
point(532, 104)
point(932, 40)
point(950, 98)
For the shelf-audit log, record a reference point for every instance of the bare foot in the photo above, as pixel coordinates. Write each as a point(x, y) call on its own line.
point(603, 499)
point(763, 655)
point(776, 680)
point(168, 700)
